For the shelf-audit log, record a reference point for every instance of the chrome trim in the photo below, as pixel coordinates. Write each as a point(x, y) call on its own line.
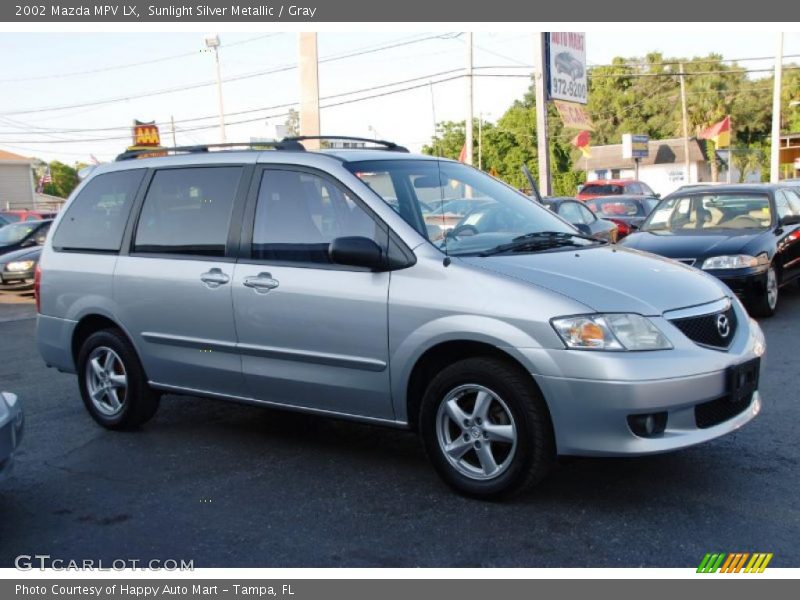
point(188, 342)
point(320, 358)
point(268, 403)
point(698, 310)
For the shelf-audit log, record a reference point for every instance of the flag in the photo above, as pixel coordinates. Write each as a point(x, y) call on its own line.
point(44, 180)
point(94, 159)
point(581, 142)
point(462, 156)
point(720, 133)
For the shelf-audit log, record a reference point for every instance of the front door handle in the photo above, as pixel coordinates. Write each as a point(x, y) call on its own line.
point(214, 278)
point(261, 283)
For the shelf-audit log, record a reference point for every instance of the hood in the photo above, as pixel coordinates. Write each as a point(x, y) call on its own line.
point(610, 278)
point(24, 254)
point(690, 245)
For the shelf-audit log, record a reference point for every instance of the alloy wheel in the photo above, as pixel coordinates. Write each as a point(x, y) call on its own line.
point(106, 381)
point(476, 432)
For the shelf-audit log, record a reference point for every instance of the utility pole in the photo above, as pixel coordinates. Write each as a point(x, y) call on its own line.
point(212, 41)
point(775, 150)
point(545, 181)
point(469, 143)
point(174, 139)
point(480, 141)
point(309, 88)
point(685, 119)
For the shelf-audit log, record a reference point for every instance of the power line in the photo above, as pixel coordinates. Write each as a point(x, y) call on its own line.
point(45, 131)
point(181, 88)
point(133, 64)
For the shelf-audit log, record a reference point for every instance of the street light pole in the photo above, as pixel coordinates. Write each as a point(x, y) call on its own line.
point(212, 41)
point(775, 150)
point(468, 123)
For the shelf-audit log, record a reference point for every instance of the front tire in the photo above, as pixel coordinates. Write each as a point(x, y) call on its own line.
point(766, 303)
point(486, 428)
point(112, 382)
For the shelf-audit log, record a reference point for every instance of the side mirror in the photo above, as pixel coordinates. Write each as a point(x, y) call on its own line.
point(789, 220)
point(583, 228)
point(357, 252)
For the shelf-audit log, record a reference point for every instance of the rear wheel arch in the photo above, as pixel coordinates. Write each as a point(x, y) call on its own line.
point(89, 324)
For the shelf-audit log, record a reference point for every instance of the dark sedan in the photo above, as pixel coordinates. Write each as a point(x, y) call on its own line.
point(25, 234)
point(746, 235)
point(18, 268)
point(627, 211)
point(582, 218)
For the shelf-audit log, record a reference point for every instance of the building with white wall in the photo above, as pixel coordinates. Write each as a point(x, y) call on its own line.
point(664, 170)
point(16, 181)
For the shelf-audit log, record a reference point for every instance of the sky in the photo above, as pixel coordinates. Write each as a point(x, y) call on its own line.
point(70, 96)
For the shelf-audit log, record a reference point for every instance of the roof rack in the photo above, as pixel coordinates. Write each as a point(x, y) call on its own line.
point(285, 144)
point(387, 145)
point(288, 143)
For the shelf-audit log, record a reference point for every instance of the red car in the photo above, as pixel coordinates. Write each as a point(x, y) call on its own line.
point(614, 187)
point(23, 214)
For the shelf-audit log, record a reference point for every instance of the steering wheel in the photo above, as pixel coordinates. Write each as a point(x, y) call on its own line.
point(462, 229)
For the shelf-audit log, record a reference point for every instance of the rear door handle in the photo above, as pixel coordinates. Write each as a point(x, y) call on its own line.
point(261, 283)
point(214, 278)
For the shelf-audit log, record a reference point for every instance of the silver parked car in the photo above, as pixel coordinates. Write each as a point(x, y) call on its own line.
point(11, 425)
point(308, 281)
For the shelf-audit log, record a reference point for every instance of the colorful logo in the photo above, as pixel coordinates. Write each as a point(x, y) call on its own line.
point(735, 562)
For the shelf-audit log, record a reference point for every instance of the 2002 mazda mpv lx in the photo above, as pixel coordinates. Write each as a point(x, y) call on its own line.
point(321, 282)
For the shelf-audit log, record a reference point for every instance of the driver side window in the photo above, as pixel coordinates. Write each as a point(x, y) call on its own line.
point(299, 213)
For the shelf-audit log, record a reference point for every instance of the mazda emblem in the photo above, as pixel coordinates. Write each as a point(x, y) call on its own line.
point(723, 326)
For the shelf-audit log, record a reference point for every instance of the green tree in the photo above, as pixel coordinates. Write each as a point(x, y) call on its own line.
point(64, 180)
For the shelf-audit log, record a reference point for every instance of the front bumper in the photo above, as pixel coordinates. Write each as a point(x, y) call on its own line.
point(11, 427)
point(16, 277)
point(747, 284)
point(591, 394)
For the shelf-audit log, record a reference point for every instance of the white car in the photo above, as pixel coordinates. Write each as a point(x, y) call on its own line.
point(11, 422)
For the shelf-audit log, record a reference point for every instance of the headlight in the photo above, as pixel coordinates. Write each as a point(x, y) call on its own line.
point(22, 265)
point(617, 332)
point(736, 261)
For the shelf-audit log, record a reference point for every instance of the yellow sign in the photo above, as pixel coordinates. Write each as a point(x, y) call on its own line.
point(573, 115)
point(146, 134)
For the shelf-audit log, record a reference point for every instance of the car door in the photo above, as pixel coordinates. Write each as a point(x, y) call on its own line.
point(312, 334)
point(787, 203)
point(172, 285)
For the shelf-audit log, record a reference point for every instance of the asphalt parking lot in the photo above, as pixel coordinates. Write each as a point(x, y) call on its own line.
point(236, 486)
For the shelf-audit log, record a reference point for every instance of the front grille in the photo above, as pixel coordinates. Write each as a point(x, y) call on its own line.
point(706, 331)
point(718, 411)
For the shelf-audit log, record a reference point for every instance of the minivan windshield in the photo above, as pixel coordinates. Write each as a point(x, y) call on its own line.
point(463, 211)
point(15, 232)
point(702, 213)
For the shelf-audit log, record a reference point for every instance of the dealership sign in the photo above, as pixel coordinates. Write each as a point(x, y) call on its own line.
point(573, 115)
point(635, 146)
point(566, 62)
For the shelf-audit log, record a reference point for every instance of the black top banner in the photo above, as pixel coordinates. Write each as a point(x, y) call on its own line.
point(259, 11)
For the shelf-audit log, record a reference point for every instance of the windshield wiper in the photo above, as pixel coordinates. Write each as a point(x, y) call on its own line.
point(540, 240)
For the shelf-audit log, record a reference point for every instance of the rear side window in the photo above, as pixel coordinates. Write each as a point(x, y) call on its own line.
point(188, 211)
point(96, 218)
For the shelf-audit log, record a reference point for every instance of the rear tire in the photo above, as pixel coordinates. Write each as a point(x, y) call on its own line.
point(767, 302)
point(486, 428)
point(113, 385)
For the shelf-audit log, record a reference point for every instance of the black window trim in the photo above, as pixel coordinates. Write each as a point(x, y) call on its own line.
point(234, 225)
point(131, 212)
point(248, 222)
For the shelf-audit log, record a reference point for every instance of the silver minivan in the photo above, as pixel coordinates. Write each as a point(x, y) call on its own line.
point(338, 282)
